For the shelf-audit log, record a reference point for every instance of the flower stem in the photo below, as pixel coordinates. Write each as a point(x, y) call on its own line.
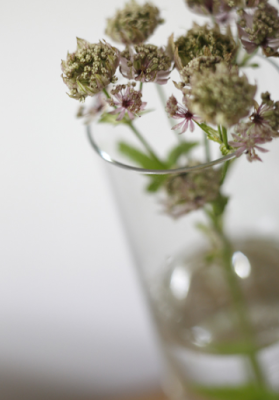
point(206, 148)
point(239, 303)
point(141, 86)
point(106, 93)
point(163, 99)
point(144, 142)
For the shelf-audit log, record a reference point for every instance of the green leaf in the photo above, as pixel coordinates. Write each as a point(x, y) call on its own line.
point(247, 392)
point(178, 151)
point(211, 133)
point(156, 182)
point(107, 118)
point(139, 157)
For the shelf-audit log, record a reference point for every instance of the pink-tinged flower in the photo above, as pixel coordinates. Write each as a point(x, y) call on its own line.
point(178, 111)
point(246, 141)
point(259, 27)
point(126, 100)
point(148, 64)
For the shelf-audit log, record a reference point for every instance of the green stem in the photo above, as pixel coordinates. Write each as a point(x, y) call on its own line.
point(163, 99)
point(207, 148)
point(143, 141)
point(220, 133)
point(225, 137)
point(224, 171)
point(141, 86)
point(106, 93)
point(239, 303)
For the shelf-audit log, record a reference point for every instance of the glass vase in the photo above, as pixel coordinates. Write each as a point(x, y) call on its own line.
point(213, 289)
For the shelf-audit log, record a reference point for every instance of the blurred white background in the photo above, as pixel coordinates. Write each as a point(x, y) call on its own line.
point(71, 308)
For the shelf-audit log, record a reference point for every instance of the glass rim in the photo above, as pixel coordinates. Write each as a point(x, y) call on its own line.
point(106, 157)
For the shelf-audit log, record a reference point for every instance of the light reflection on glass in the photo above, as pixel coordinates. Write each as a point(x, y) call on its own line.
point(201, 336)
point(241, 264)
point(180, 283)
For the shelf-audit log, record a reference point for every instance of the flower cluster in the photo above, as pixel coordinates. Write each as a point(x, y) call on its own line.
point(134, 23)
point(179, 111)
point(262, 127)
point(148, 64)
point(218, 8)
point(260, 27)
point(205, 41)
point(222, 97)
point(126, 100)
point(199, 64)
point(191, 191)
point(90, 69)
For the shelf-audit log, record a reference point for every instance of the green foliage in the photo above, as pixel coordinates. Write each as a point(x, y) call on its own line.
point(145, 161)
point(182, 149)
point(247, 392)
point(139, 157)
point(219, 205)
point(211, 133)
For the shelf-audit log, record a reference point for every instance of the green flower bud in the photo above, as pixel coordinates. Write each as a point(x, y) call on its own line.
point(90, 69)
point(205, 41)
point(134, 24)
point(221, 97)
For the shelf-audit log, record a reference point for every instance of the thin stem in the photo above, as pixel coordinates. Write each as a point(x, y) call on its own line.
point(206, 148)
point(143, 141)
point(163, 99)
point(220, 133)
point(225, 137)
point(238, 302)
point(224, 171)
point(106, 93)
point(141, 86)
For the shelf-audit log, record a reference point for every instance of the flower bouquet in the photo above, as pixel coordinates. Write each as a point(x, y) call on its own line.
point(213, 307)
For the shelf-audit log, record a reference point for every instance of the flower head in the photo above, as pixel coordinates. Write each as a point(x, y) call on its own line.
point(190, 191)
point(265, 118)
point(90, 69)
point(259, 27)
point(199, 64)
point(134, 23)
point(148, 64)
point(246, 141)
point(178, 111)
point(202, 40)
point(126, 100)
point(219, 8)
point(221, 97)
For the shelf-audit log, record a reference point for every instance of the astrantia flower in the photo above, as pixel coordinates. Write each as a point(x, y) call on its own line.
point(190, 191)
point(265, 121)
point(148, 64)
point(220, 9)
point(134, 23)
point(199, 64)
point(178, 111)
point(90, 69)
point(95, 109)
point(245, 141)
point(221, 97)
point(259, 27)
point(126, 100)
point(202, 40)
